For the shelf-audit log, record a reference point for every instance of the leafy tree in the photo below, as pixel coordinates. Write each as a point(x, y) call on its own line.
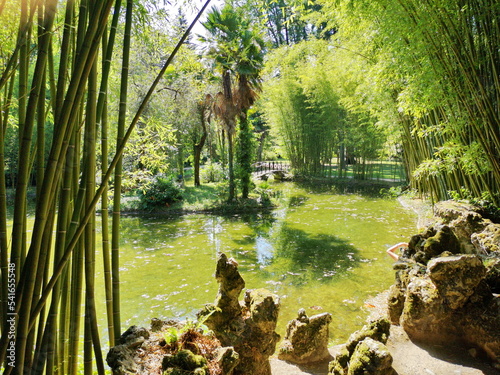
point(237, 50)
point(301, 102)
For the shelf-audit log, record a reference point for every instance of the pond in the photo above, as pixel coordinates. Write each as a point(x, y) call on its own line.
point(321, 251)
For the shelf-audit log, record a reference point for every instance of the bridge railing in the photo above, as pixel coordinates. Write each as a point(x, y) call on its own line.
point(388, 170)
point(273, 165)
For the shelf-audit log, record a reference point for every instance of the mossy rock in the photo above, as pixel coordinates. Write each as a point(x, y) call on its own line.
point(184, 360)
point(377, 330)
point(338, 365)
point(444, 240)
point(370, 357)
point(493, 274)
point(395, 304)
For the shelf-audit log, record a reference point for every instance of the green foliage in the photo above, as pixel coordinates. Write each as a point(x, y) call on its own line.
point(425, 69)
point(317, 110)
point(245, 155)
point(212, 172)
point(162, 192)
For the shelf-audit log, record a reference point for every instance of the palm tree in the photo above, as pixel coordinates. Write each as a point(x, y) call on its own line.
point(237, 50)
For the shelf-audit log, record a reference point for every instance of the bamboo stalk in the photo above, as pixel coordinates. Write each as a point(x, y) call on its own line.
point(115, 237)
point(77, 232)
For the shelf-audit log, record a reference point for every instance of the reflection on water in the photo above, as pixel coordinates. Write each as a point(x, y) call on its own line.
point(323, 252)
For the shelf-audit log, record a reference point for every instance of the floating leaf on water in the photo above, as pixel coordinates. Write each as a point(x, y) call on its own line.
point(349, 301)
point(316, 308)
point(369, 305)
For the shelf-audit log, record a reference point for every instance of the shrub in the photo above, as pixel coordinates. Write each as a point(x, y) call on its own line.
point(162, 192)
point(212, 172)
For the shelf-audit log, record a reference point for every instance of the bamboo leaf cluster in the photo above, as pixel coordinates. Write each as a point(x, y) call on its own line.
point(429, 69)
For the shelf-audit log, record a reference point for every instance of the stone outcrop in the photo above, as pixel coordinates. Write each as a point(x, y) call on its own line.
point(248, 326)
point(170, 347)
point(448, 299)
point(472, 226)
point(365, 352)
point(371, 357)
point(448, 280)
point(306, 339)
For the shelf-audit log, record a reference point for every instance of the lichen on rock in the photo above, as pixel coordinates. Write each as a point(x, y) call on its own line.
point(440, 296)
point(306, 339)
point(365, 352)
point(248, 326)
point(371, 357)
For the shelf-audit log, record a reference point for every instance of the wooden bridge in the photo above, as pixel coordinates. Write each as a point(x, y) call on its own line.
point(265, 169)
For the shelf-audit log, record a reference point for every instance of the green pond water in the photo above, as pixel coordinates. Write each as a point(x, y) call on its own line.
point(321, 251)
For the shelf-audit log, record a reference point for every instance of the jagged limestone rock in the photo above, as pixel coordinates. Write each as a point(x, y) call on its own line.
point(456, 277)
point(371, 357)
point(249, 327)
point(365, 352)
point(185, 360)
point(488, 240)
point(446, 296)
point(424, 314)
point(452, 301)
point(464, 219)
point(230, 286)
point(121, 357)
point(395, 304)
point(443, 240)
point(492, 277)
point(228, 359)
point(306, 339)
point(340, 362)
point(378, 330)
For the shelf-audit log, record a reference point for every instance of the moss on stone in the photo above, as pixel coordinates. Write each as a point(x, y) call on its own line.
point(377, 330)
point(184, 360)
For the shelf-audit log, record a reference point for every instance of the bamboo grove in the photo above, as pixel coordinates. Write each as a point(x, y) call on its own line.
point(428, 71)
point(54, 81)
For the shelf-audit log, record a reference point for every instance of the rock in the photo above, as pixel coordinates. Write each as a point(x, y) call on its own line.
point(230, 286)
point(365, 352)
point(340, 362)
point(227, 359)
point(441, 295)
point(185, 360)
point(450, 301)
point(371, 357)
point(249, 327)
point(492, 277)
point(452, 210)
point(481, 328)
point(424, 315)
point(121, 357)
point(377, 330)
point(465, 219)
point(144, 351)
point(395, 304)
point(488, 240)
point(456, 277)
point(306, 339)
point(443, 240)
